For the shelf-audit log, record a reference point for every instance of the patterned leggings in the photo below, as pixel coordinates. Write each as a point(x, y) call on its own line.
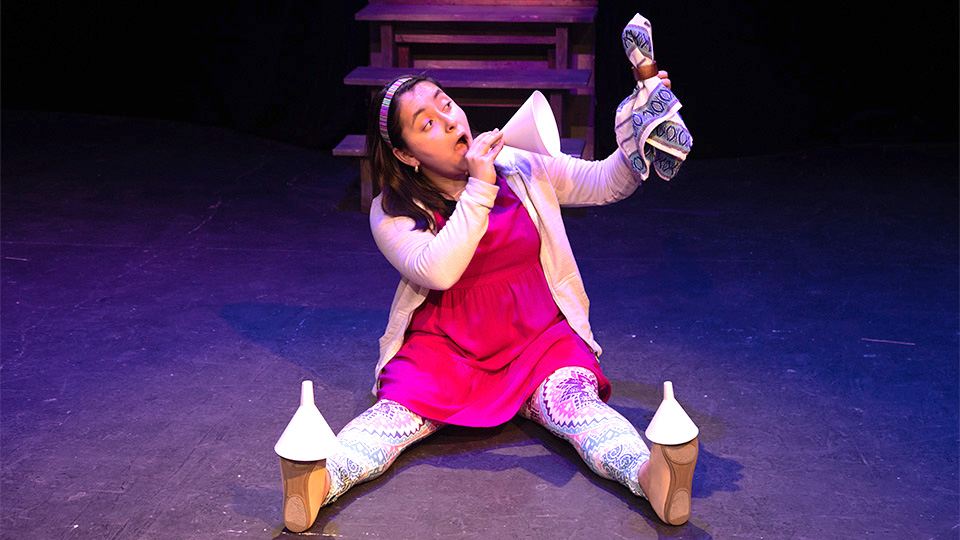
point(566, 404)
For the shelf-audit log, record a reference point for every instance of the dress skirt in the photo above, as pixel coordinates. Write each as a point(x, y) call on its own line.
point(473, 354)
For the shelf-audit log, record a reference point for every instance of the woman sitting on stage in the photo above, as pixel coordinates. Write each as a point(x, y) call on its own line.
point(490, 317)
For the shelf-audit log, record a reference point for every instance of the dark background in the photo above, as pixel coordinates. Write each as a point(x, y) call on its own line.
point(754, 77)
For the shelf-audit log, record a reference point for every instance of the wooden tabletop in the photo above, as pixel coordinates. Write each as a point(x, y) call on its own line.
point(504, 14)
point(543, 79)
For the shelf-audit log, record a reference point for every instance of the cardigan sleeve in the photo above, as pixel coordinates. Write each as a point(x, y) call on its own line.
point(436, 260)
point(579, 182)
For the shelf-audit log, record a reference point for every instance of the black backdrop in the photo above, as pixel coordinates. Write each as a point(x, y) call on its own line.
point(754, 77)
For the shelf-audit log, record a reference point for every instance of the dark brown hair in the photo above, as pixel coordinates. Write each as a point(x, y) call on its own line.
point(402, 187)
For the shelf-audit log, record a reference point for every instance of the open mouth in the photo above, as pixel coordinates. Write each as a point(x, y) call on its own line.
point(462, 144)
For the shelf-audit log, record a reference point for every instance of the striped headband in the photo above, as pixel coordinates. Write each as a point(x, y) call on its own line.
point(385, 107)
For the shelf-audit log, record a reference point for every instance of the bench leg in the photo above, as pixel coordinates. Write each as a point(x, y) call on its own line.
point(387, 45)
point(366, 185)
point(556, 103)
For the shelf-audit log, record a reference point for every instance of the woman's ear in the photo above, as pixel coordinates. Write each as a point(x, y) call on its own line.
point(406, 157)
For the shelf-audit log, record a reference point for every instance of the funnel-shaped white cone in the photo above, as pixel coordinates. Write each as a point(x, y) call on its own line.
point(533, 127)
point(307, 436)
point(670, 424)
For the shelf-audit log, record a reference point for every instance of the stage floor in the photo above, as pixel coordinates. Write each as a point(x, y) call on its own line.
point(166, 287)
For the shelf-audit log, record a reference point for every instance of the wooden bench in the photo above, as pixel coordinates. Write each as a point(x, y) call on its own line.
point(524, 40)
point(355, 146)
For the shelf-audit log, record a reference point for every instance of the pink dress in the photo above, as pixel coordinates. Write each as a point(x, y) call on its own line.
point(473, 354)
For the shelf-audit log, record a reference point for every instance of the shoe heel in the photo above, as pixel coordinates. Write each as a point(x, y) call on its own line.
point(305, 486)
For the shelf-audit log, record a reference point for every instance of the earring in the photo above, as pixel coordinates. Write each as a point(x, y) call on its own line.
point(416, 168)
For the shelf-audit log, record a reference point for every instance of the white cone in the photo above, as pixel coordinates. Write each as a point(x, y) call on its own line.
point(670, 424)
point(533, 127)
point(307, 436)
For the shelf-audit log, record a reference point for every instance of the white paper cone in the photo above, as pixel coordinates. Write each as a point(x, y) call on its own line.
point(307, 437)
point(670, 424)
point(533, 127)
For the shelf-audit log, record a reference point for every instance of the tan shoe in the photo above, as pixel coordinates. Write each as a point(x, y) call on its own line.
point(305, 486)
point(667, 480)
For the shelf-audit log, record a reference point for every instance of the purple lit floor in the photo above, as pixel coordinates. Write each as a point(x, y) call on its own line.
point(166, 287)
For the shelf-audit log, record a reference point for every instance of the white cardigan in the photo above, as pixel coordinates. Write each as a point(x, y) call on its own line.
point(428, 260)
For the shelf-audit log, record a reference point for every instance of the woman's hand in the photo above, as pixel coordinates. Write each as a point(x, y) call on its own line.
point(481, 154)
point(664, 78)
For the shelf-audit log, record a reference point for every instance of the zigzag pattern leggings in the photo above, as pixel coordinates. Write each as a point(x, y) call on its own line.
point(566, 404)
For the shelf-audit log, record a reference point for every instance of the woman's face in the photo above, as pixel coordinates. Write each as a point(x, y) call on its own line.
point(435, 130)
